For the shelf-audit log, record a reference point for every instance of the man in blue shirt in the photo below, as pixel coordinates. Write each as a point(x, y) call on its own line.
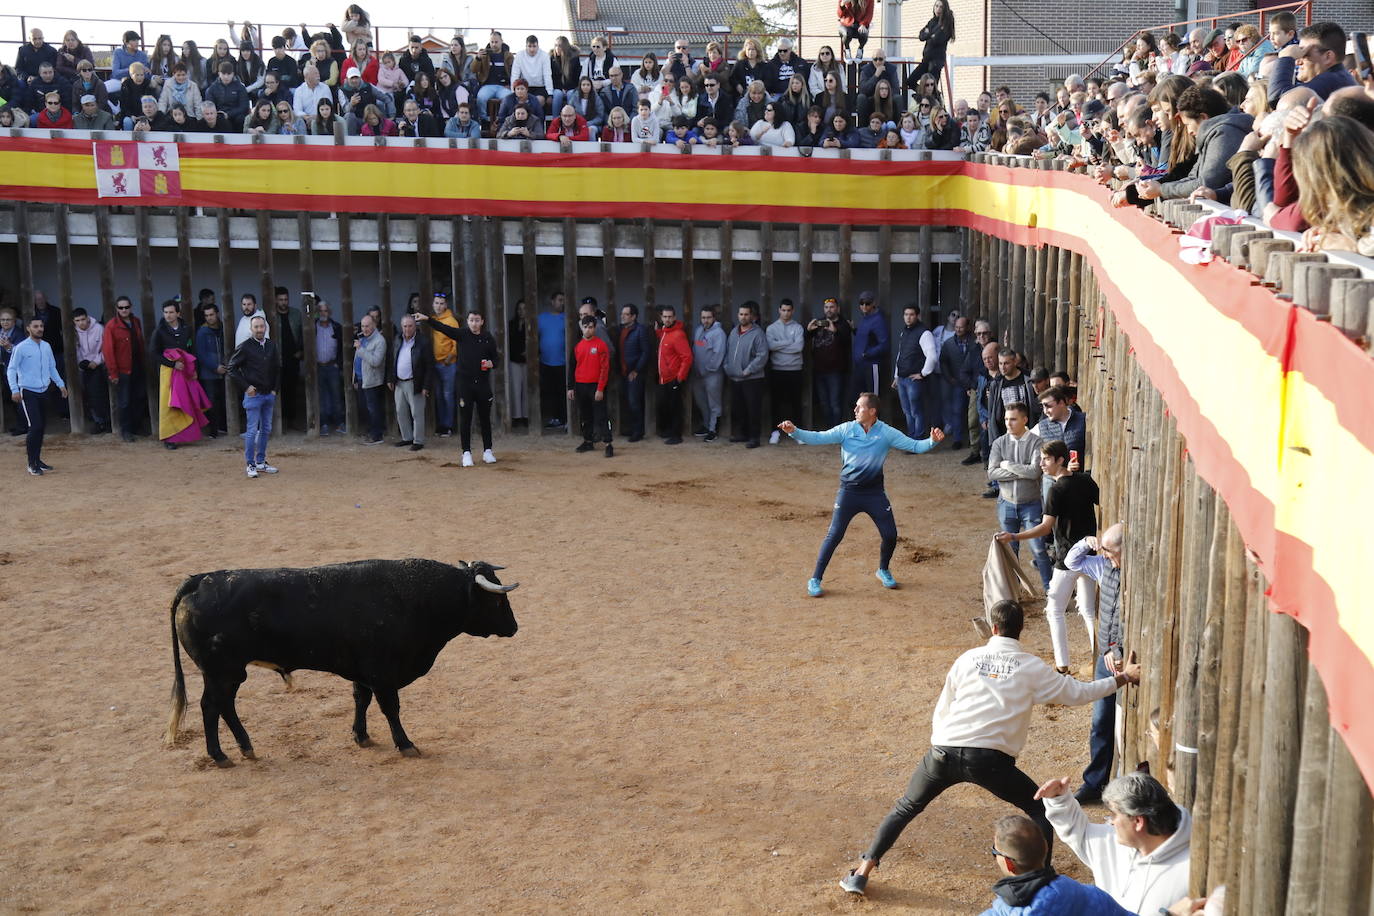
point(864, 444)
point(31, 370)
point(553, 361)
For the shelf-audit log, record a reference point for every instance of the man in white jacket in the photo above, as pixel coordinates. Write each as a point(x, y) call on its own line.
point(1141, 855)
point(980, 725)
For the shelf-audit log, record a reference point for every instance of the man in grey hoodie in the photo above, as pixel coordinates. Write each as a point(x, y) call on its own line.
point(1014, 466)
point(786, 341)
point(746, 355)
point(708, 378)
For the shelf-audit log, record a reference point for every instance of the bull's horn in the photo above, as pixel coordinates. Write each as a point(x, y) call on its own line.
point(490, 586)
point(496, 568)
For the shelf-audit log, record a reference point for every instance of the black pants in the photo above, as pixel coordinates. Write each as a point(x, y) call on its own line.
point(785, 385)
point(746, 407)
point(553, 399)
point(670, 410)
point(632, 394)
point(34, 409)
point(131, 397)
point(591, 413)
point(376, 412)
point(96, 388)
point(214, 390)
point(475, 394)
point(943, 767)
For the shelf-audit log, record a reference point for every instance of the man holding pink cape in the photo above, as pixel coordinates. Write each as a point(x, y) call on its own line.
point(181, 401)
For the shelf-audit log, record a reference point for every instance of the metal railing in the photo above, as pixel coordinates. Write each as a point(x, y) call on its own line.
point(1304, 5)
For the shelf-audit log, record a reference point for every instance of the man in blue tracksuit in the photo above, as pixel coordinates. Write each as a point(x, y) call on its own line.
point(864, 444)
point(872, 343)
point(1031, 886)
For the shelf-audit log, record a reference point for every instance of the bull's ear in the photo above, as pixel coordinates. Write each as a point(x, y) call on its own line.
point(462, 565)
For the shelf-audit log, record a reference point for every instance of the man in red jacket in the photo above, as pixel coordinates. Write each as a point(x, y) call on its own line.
point(591, 371)
point(122, 347)
point(674, 363)
point(567, 127)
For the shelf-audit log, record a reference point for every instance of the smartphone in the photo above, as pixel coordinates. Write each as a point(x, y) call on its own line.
point(1362, 64)
point(1073, 455)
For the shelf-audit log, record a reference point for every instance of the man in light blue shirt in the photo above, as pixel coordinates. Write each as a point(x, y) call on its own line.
point(31, 370)
point(864, 444)
point(553, 362)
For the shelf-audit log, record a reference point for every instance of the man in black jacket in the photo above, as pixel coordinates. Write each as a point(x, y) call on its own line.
point(714, 103)
point(633, 358)
point(256, 366)
point(959, 367)
point(409, 375)
point(477, 357)
point(171, 334)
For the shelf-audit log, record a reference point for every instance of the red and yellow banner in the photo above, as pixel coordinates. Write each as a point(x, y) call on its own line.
point(1274, 404)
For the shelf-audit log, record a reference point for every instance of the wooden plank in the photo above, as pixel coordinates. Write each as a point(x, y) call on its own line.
point(1309, 828)
point(613, 304)
point(1285, 666)
point(105, 267)
point(1346, 879)
point(265, 300)
point(25, 242)
point(530, 283)
point(650, 265)
point(71, 374)
point(184, 267)
point(497, 316)
point(766, 244)
point(846, 272)
point(385, 301)
point(424, 260)
point(147, 308)
point(347, 321)
point(727, 275)
point(571, 330)
point(925, 278)
point(309, 314)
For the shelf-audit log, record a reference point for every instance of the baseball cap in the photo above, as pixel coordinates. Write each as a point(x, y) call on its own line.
point(866, 295)
point(589, 300)
point(87, 98)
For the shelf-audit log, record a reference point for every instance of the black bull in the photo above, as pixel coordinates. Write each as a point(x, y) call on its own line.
point(378, 623)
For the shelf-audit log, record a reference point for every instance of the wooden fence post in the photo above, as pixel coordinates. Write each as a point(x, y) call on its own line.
point(105, 267)
point(1285, 667)
point(346, 314)
point(71, 373)
point(148, 309)
point(309, 314)
point(1309, 827)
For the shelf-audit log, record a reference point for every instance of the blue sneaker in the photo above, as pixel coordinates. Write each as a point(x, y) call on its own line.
point(813, 588)
point(853, 883)
point(885, 577)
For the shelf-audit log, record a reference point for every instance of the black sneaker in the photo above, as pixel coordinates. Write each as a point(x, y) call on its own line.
point(990, 493)
point(711, 436)
point(43, 465)
point(673, 440)
point(973, 459)
point(635, 438)
point(417, 446)
point(36, 472)
point(1088, 796)
point(752, 443)
point(699, 431)
point(736, 440)
point(584, 447)
point(403, 443)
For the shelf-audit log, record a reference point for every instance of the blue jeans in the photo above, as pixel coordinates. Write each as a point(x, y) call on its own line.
point(444, 400)
point(849, 503)
point(829, 386)
point(331, 396)
point(956, 411)
point(909, 392)
point(1101, 736)
point(486, 94)
point(1016, 518)
point(376, 412)
point(257, 409)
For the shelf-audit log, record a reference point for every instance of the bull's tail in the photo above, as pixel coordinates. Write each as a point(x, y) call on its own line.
point(179, 681)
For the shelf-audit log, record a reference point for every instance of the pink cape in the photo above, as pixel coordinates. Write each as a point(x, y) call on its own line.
point(186, 395)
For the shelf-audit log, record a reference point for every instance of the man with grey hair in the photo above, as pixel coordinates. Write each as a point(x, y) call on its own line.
point(1031, 884)
point(410, 375)
point(1074, 83)
point(1141, 855)
point(1100, 560)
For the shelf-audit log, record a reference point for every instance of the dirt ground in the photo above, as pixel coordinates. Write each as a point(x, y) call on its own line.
point(675, 728)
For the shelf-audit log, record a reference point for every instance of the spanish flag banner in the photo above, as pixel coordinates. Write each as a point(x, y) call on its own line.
point(1274, 404)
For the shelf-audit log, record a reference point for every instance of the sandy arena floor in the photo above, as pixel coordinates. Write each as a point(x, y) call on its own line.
point(676, 728)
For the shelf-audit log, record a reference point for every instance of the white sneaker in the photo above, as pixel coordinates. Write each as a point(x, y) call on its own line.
point(266, 468)
point(488, 457)
point(252, 472)
point(467, 459)
point(773, 439)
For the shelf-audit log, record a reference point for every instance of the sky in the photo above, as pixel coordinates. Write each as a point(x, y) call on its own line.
point(546, 18)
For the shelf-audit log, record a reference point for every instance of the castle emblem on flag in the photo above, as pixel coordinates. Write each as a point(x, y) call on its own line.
point(137, 170)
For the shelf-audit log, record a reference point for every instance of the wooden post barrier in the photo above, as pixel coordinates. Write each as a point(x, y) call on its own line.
point(347, 321)
point(533, 306)
point(1352, 308)
point(1309, 827)
point(309, 314)
point(1312, 284)
point(147, 308)
point(71, 373)
point(105, 267)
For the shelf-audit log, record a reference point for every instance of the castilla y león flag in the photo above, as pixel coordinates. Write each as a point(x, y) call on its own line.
point(143, 170)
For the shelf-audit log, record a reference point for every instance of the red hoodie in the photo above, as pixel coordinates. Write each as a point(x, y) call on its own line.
point(593, 362)
point(121, 346)
point(674, 354)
